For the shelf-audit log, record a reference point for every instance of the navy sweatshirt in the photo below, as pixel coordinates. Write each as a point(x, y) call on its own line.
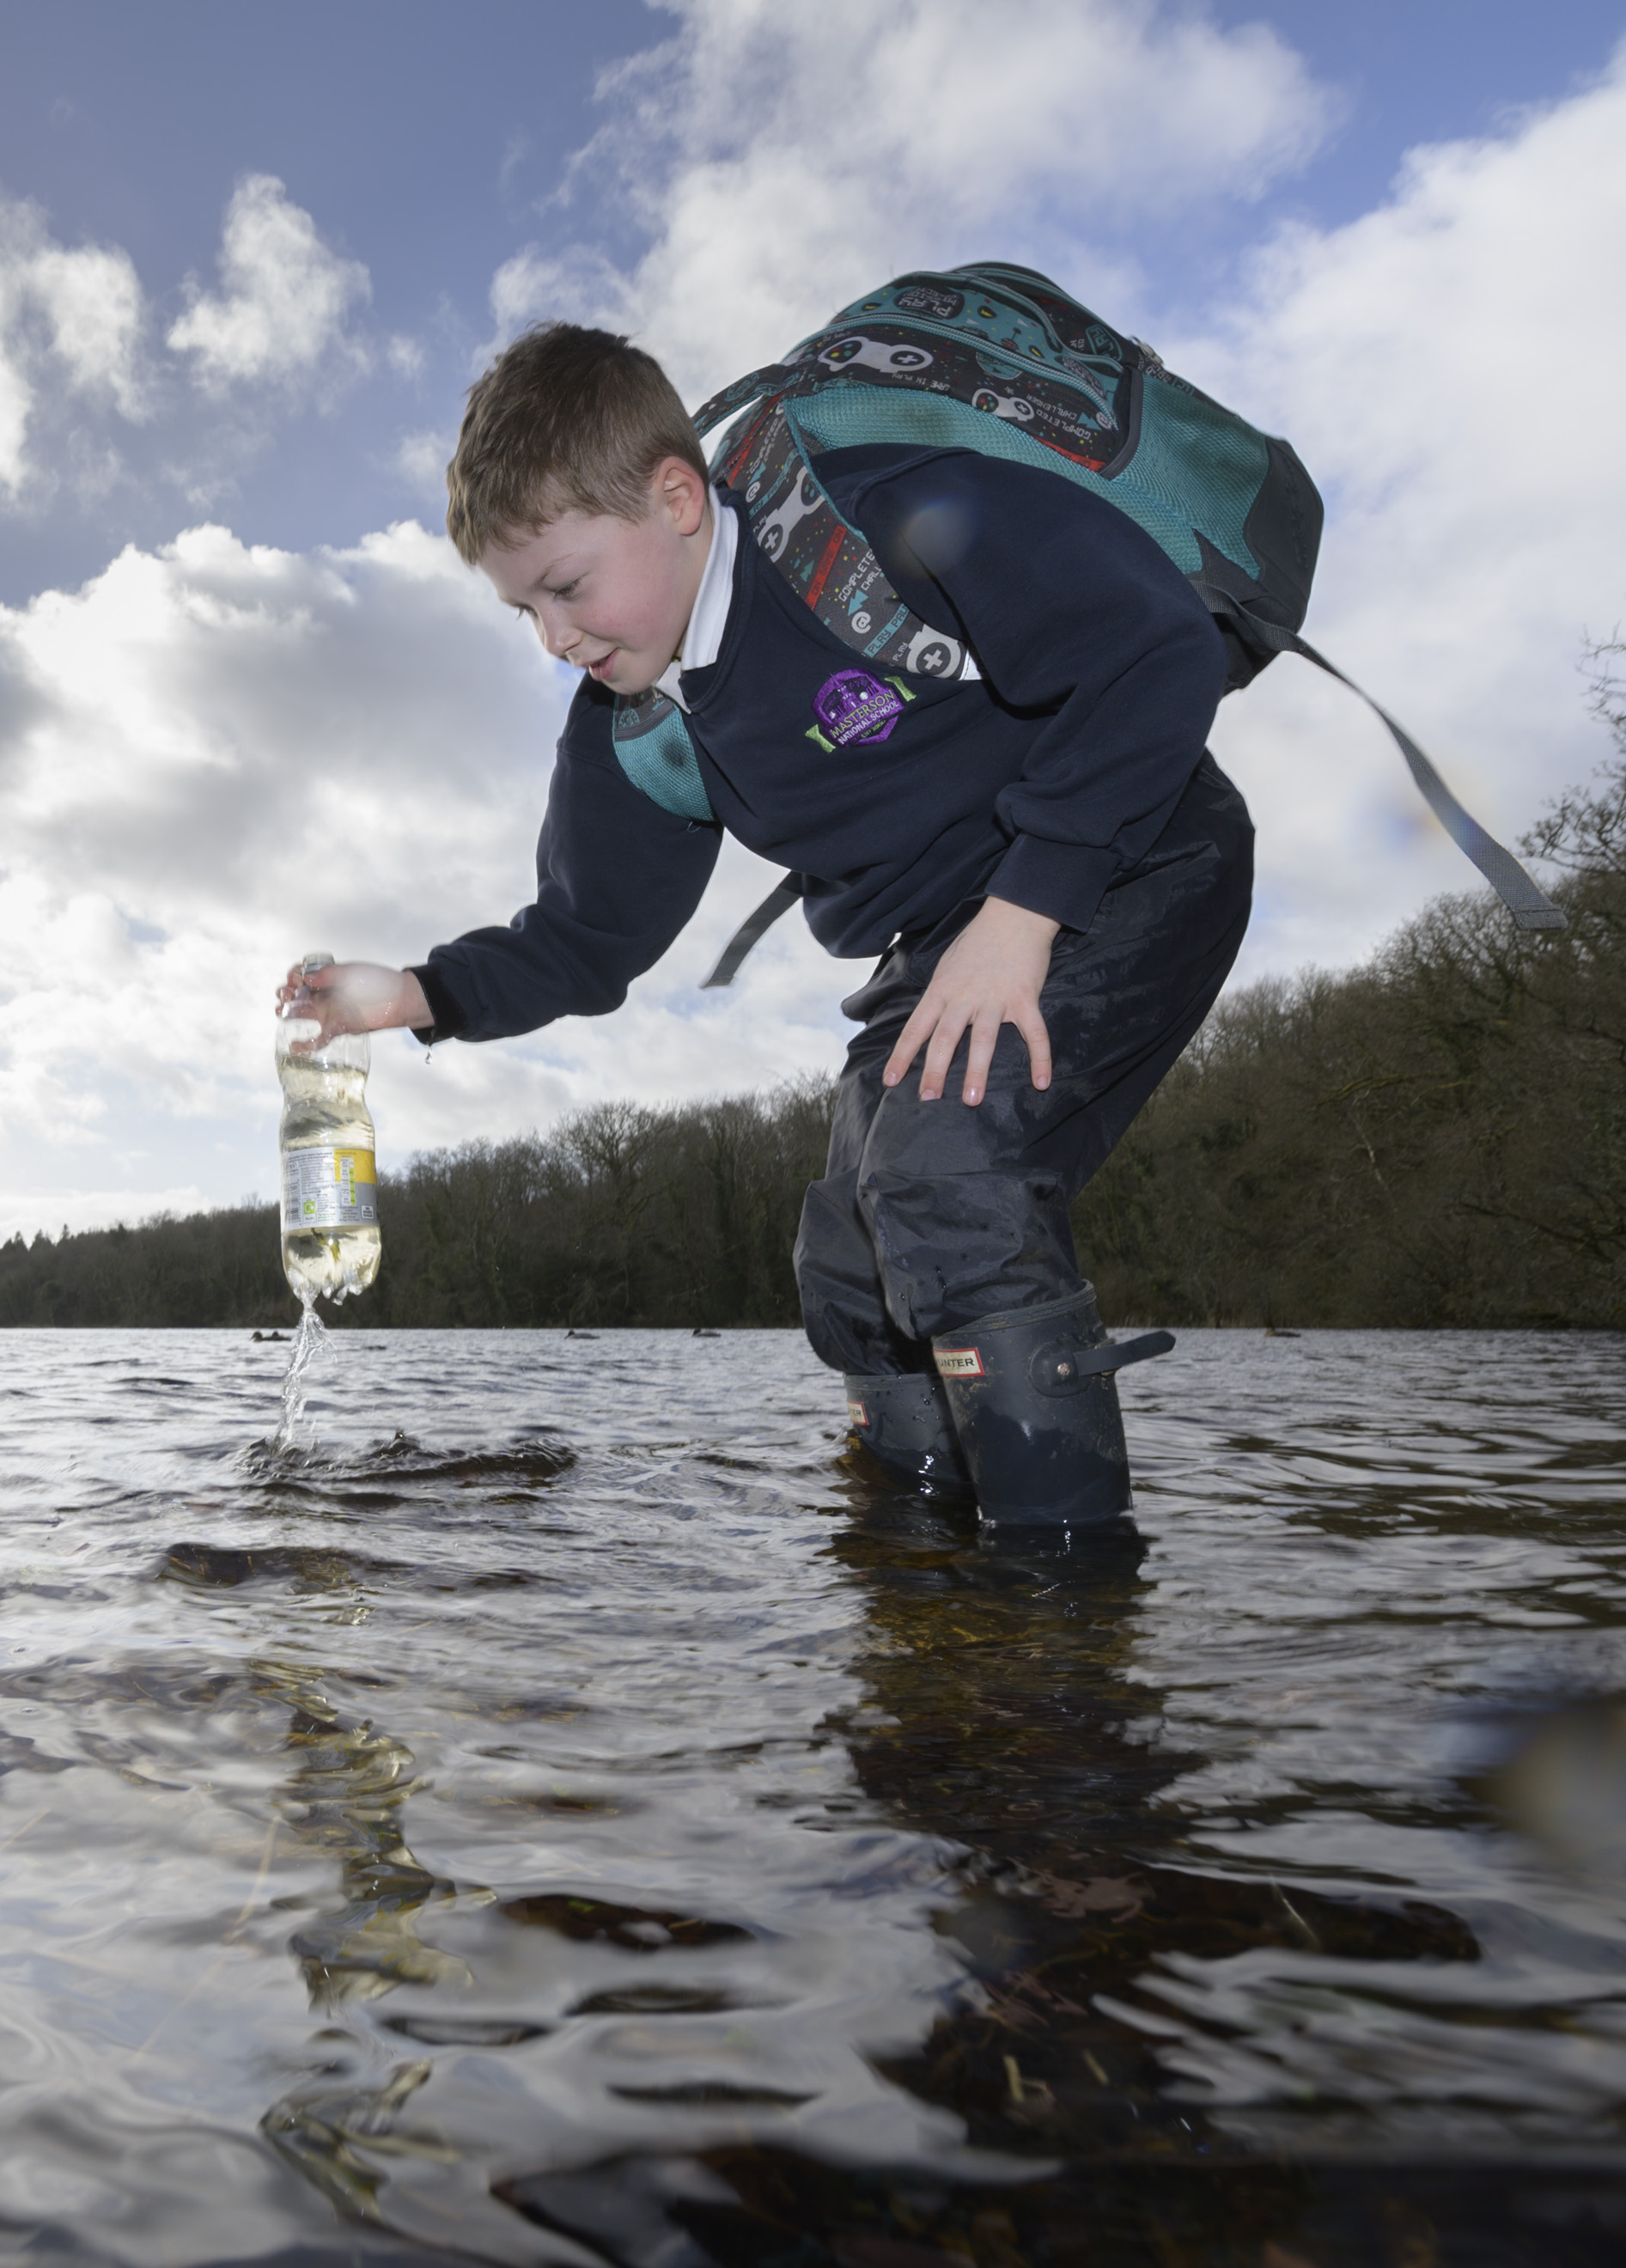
point(1043, 782)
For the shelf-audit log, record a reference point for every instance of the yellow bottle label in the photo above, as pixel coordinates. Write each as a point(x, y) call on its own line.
point(330, 1189)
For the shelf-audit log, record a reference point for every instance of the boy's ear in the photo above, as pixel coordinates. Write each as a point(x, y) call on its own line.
point(681, 492)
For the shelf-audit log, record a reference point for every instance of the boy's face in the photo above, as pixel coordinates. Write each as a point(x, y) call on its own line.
point(613, 596)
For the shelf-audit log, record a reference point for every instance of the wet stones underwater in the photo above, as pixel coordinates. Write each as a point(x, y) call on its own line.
point(560, 1806)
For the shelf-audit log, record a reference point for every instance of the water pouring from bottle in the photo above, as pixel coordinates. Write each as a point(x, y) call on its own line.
point(310, 1345)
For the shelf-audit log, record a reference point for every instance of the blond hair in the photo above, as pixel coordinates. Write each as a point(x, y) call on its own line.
point(566, 419)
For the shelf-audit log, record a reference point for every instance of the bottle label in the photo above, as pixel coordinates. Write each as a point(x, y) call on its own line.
point(330, 1189)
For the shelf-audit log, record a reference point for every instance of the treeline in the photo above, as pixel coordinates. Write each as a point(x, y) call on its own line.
point(683, 1216)
point(1437, 1138)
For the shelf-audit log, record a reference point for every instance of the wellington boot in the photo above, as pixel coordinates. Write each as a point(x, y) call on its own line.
point(1036, 1408)
point(904, 1423)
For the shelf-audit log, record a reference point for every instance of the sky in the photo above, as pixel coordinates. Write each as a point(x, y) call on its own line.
point(251, 703)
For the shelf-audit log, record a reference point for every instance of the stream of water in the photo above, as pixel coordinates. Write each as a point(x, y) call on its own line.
point(556, 1807)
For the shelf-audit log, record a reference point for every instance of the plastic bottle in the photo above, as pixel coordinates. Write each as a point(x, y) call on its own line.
point(330, 1184)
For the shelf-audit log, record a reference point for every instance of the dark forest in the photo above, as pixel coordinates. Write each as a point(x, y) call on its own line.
point(1436, 1138)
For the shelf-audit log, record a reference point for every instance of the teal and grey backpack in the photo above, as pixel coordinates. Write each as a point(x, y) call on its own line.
point(1000, 360)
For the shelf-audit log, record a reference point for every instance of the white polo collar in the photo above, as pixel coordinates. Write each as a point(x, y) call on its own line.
point(702, 641)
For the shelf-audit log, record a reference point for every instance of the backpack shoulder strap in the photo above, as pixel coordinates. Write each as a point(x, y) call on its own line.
point(828, 563)
point(653, 748)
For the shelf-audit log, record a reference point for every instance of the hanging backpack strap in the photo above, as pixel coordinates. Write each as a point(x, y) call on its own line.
point(751, 931)
point(1530, 906)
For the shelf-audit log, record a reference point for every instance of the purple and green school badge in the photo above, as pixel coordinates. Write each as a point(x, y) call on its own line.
point(853, 706)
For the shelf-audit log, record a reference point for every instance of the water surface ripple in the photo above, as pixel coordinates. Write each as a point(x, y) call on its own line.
point(564, 1810)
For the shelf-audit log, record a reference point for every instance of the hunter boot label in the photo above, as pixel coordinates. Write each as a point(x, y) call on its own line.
point(856, 1414)
point(959, 1362)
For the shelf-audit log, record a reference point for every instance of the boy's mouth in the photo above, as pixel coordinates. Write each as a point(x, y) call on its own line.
point(601, 668)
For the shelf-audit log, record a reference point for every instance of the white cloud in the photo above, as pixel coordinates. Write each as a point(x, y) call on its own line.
point(282, 314)
point(1448, 367)
point(406, 355)
point(92, 301)
point(781, 159)
point(215, 757)
point(422, 457)
point(16, 400)
point(69, 318)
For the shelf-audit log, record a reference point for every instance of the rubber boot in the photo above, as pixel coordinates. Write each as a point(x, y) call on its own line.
point(1036, 1408)
point(904, 1423)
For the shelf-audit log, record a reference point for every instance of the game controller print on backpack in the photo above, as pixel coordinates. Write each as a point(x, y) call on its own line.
point(1000, 361)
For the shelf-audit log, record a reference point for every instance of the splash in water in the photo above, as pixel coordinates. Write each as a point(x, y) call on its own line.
point(309, 1344)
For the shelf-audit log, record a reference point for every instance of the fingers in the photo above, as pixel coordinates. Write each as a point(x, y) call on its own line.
point(941, 1026)
point(940, 1051)
point(311, 994)
point(1034, 1030)
point(984, 1038)
point(911, 1038)
point(298, 980)
point(936, 1023)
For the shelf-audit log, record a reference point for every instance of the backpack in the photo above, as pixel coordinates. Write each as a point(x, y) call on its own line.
point(1000, 360)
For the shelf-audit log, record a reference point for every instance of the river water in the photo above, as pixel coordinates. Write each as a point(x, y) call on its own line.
point(565, 1810)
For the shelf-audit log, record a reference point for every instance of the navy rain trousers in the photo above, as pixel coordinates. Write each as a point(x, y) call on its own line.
point(933, 1214)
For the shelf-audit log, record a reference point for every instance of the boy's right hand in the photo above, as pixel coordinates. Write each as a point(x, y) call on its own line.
point(356, 996)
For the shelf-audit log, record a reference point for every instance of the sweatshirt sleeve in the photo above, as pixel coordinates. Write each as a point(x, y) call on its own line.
point(617, 879)
point(1077, 616)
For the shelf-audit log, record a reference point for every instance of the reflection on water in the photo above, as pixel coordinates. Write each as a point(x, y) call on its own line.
point(568, 1810)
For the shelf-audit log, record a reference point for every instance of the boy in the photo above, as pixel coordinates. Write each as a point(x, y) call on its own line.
point(1053, 870)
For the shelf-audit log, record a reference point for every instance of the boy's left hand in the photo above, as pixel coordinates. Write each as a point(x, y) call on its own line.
point(991, 975)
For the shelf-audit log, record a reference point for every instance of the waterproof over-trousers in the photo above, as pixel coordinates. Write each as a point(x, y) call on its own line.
point(931, 1215)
